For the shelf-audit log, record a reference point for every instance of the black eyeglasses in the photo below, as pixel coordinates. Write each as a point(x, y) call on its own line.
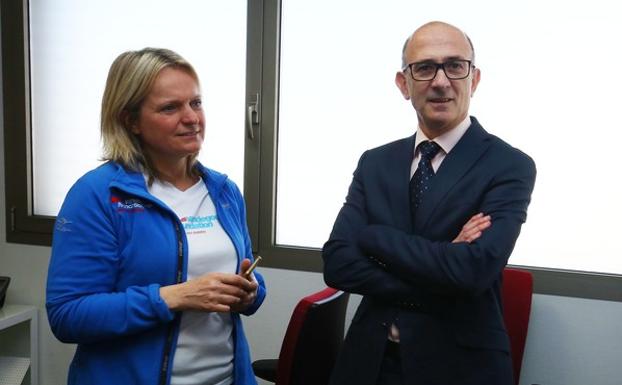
point(454, 69)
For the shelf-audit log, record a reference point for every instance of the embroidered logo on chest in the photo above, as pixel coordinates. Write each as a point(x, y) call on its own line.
point(131, 205)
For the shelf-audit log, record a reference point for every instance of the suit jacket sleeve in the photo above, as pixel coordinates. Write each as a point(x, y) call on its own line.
point(461, 268)
point(347, 266)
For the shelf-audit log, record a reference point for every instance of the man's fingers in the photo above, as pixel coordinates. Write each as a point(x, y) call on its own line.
point(480, 225)
point(481, 222)
point(472, 230)
point(473, 237)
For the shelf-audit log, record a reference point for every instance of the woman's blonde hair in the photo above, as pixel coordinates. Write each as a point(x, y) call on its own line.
point(130, 79)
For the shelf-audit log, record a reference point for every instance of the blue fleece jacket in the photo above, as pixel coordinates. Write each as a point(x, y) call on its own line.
point(114, 246)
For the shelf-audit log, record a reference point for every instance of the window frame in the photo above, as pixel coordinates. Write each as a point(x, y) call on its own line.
point(260, 157)
point(22, 225)
point(548, 281)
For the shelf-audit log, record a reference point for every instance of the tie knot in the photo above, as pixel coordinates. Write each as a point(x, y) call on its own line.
point(428, 149)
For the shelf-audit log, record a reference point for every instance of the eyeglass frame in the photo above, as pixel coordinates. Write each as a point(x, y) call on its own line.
point(438, 66)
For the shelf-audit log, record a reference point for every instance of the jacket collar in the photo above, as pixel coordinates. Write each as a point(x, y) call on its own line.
point(463, 156)
point(134, 182)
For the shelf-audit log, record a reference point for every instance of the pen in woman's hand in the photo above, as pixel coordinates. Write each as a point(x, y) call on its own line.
point(247, 273)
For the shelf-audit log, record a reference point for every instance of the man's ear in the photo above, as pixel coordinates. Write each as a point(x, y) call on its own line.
point(475, 80)
point(402, 84)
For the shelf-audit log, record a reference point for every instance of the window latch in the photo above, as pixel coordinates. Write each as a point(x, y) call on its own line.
point(252, 115)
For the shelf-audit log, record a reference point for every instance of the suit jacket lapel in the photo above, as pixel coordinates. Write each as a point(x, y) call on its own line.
point(460, 159)
point(399, 178)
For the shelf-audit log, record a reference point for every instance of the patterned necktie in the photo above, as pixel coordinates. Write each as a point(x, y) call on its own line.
point(423, 175)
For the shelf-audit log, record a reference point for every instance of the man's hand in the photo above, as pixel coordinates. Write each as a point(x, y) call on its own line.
point(473, 228)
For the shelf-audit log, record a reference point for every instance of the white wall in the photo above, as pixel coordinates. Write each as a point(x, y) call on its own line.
point(571, 341)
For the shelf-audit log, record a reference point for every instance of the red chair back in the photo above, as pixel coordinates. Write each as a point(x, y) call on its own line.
point(517, 291)
point(313, 338)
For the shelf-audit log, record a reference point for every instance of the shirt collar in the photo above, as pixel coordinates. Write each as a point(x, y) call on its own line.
point(448, 140)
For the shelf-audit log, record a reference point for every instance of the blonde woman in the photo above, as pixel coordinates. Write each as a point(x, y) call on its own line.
point(149, 249)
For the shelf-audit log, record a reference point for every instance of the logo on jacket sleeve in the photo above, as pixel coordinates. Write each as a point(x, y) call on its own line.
point(62, 224)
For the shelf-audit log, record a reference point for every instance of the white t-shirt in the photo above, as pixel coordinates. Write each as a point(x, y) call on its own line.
point(204, 353)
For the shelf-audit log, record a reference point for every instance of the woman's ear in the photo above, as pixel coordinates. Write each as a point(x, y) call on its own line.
point(129, 122)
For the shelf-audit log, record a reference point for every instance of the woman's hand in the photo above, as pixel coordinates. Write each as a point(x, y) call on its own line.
point(473, 228)
point(215, 292)
point(249, 296)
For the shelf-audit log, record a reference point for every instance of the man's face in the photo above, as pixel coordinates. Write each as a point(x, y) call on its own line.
point(441, 103)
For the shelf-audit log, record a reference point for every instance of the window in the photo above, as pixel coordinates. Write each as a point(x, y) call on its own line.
point(319, 91)
point(337, 98)
point(69, 65)
point(57, 72)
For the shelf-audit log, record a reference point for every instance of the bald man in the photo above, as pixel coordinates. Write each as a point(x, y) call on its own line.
point(426, 230)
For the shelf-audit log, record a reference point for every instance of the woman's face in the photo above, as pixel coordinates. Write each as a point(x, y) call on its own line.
point(171, 124)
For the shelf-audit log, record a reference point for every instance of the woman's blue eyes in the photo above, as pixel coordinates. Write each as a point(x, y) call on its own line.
point(195, 104)
point(168, 108)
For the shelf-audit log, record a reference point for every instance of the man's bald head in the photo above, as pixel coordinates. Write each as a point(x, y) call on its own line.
point(438, 25)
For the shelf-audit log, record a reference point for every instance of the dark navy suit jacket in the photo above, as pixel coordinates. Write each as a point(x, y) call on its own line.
point(444, 297)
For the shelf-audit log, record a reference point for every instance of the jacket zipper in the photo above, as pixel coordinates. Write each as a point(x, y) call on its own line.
point(179, 275)
point(169, 338)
